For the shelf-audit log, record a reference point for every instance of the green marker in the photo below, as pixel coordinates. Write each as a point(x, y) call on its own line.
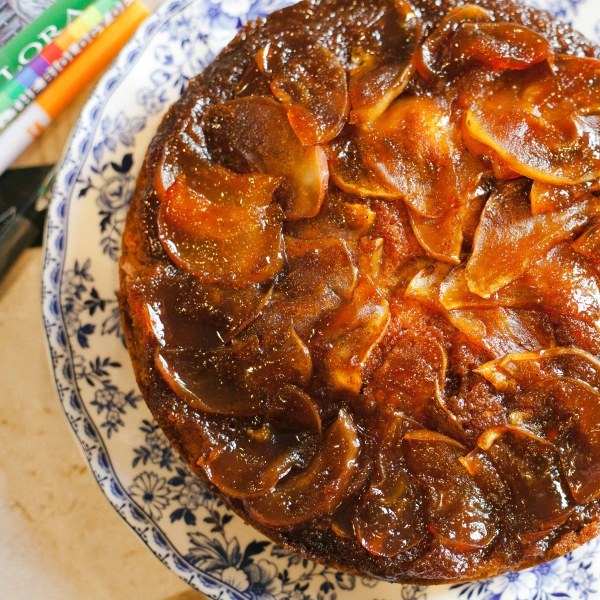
point(28, 43)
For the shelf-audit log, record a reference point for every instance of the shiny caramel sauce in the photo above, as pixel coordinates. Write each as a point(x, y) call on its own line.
point(383, 292)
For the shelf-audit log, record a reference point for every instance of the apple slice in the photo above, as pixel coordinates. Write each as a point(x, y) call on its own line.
point(411, 147)
point(207, 381)
point(182, 311)
point(545, 123)
point(370, 258)
point(385, 61)
point(573, 428)
point(504, 330)
point(568, 282)
point(546, 197)
point(254, 461)
point(256, 131)
point(507, 229)
point(282, 358)
point(531, 467)
point(311, 83)
point(494, 488)
point(425, 285)
point(519, 371)
point(441, 238)
point(294, 411)
point(496, 45)
point(248, 466)
point(588, 243)
point(458, 513)
point(455, 294)
point(435, 48)
point(229, 245)
point(320, 262)
point(412, 375)
point(350, 171)
point(389, 519)
point(350, 335)
point(341, 216)
point(321, 276)
point(188, 163)
point(253, 83)
point(486, 155)
point(319, 487)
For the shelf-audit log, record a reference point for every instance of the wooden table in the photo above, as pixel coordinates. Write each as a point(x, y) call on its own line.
point(60, 539)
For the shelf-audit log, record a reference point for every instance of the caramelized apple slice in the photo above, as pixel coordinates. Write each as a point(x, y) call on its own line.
point(569, 284)
point(321, 276)
point(351, 334)
point(441, 238)
point(230, 245)
point(311, 83)
point(488, 156)
point(501, 45)
point(531, 467)
point(182, 311)
point(459, 515)
point(282, 358)
point(319, 487)
point(294, 411)
point(411, 376)
point(545, 124)
point(207, 381)
point(256, 131)
point(389, 519)
point(574, 429)
point(425, 285)
point(546, 197)
point(496, 45)
point(383, 71)
point(455, 294)
point(182, 160)
point(411, 147)
point(504, 330)
point(522, 370)
point(340, 217)
point(253, 83)
point(350, 171)
point(588, 243)
point(508, 230)
point(254, 461)
point(436, 46)
point(336, 269)
point(370, 261)
point(482, 470)
point(250, 466)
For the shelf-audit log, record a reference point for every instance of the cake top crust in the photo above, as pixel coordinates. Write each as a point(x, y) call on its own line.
point(360, 284)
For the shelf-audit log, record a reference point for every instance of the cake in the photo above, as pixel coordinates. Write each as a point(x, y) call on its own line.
point(360, 287)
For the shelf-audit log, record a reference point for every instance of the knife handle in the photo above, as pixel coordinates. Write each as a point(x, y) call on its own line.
point(15, 237)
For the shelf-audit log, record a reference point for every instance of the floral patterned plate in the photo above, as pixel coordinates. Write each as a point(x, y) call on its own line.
point(187, 528)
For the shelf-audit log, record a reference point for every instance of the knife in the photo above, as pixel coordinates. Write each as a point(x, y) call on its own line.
point(24, 197)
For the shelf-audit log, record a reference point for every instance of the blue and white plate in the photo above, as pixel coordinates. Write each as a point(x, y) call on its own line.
point(187, 528)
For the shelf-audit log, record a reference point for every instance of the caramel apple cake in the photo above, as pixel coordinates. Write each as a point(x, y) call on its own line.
point(360, 284)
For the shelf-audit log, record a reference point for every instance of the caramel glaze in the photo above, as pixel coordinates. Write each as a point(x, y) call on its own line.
point(357, 350)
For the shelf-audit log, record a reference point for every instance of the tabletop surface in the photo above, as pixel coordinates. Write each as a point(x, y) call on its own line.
point(60, 538)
